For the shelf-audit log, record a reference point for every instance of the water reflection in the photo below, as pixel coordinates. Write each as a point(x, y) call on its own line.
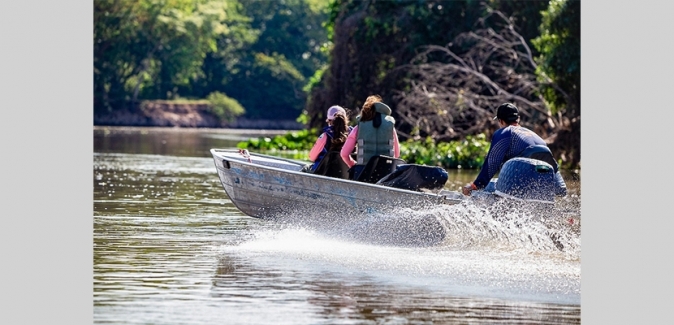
point(155, 185)
point(184, 142)
point(356, 298)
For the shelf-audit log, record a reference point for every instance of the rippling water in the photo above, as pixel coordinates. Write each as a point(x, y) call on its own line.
point(170, 248)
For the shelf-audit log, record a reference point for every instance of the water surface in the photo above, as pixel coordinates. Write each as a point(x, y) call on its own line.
point(170, 248)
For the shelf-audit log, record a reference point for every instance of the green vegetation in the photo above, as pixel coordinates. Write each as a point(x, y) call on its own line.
point(224, 107)
point(297, 140)
point(376, 44)
point(468, 153)
point(559, 59)
point(256, 52)
point(292, 59)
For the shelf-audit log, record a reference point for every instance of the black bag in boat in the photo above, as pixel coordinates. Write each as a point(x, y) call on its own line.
point(416, 177)
point(375, 169)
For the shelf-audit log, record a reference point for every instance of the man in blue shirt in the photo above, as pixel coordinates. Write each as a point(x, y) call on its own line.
point(510, 141)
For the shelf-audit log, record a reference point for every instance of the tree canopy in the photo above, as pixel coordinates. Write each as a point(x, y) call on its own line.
point(259, 53)
point(442, 65)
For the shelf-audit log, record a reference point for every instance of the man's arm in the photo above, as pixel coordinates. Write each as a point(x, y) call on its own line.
point(492, 162)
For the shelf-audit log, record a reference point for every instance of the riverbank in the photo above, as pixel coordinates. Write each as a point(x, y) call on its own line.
point(185, 116)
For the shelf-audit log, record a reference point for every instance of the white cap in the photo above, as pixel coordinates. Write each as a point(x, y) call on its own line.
point(334, 110)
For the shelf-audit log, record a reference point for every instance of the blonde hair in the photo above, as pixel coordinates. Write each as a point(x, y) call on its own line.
point(368, 112)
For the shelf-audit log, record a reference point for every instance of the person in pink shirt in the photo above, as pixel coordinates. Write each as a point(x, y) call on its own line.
point(374, 135)
point(333, 136)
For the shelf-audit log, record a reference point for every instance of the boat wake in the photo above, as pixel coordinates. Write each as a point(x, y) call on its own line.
point(504, 250)
point(507, 224)
point(472, 224)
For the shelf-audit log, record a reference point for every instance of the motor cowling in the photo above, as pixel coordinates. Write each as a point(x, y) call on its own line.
point(527, 179)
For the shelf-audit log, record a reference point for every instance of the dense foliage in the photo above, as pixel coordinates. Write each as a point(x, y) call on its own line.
point(224, 107)
point(559, 60)
point(379, 49)
point(371, 38)
point(296, 140)
point(430, 60)
point(468, 153)
point(259, 53)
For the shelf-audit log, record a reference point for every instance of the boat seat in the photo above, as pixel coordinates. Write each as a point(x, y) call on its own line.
point(332, 165)
point(375, 169)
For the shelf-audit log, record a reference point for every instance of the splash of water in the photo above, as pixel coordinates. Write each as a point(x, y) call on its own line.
point(496, 225)
point(508, 225)
point(501, 250)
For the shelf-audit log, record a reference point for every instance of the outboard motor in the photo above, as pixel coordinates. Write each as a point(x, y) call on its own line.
point(527, 179)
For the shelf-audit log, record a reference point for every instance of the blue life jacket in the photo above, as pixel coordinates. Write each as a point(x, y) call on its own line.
point(330, 132)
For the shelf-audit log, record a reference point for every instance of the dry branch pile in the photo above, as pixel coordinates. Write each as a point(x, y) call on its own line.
point(454, 89)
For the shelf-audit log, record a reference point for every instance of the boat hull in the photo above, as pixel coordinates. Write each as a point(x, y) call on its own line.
point(276, 189)
point(270, 187)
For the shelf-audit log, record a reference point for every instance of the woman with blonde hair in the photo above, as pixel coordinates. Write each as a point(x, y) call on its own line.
point(374, 135)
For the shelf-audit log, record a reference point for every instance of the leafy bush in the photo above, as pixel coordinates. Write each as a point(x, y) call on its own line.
point(467, 154)
point(224, 107)
point(300, 141)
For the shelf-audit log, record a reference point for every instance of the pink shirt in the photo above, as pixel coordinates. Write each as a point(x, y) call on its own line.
point(351, 141)
point(318, 147)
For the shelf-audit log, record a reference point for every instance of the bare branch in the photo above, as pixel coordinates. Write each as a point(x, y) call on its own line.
point(454, 92)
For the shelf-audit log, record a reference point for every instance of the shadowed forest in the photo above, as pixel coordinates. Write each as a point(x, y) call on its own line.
point(442, 66)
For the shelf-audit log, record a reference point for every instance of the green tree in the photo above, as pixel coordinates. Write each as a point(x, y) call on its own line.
point(270, 78)
point(372, 38)
point(150, 48)
point(224, 107)
point(559, 60)
point(257, 52)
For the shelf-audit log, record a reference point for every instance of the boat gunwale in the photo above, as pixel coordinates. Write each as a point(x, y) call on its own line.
point(427, 195)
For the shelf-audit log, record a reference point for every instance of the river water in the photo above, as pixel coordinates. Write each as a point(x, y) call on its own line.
point(171, 248)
